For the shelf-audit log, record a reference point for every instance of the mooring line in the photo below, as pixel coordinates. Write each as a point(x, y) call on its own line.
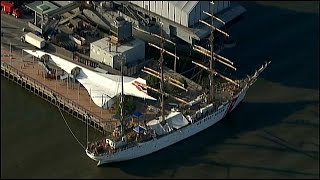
point(71, 130)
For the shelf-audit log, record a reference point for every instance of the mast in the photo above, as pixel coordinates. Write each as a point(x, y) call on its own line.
point(122, 57)
point(87, 120)
point(213, 56)
point(160, 75)
point(87, 131)
point(175, 50)
point(211, 64)
point(161, 80)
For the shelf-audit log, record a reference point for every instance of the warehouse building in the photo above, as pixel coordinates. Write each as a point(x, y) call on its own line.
point(181, 18)
point(185, 13)
point(107, 51)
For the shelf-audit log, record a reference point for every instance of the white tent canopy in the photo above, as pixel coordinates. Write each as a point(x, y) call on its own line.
point(101, 87)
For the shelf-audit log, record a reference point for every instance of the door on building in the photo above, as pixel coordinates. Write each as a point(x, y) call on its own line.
point(173, 31)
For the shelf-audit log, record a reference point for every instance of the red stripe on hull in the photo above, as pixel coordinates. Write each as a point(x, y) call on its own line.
point(231, 105)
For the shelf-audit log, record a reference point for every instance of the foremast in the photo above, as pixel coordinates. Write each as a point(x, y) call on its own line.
point(213, 57)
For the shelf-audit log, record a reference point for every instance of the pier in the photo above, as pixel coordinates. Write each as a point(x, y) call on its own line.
point(69, 96)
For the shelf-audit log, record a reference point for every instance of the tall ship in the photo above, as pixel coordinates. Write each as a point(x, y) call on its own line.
point(181, 114)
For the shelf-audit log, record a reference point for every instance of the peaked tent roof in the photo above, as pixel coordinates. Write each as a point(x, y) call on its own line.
point(137, 114)
point(139, 129)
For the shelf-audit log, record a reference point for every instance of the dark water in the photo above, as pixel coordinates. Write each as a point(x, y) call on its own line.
point(274, 133)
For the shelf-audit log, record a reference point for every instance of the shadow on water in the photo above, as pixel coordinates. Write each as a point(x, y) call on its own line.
point(193, 151)
point(289, 38)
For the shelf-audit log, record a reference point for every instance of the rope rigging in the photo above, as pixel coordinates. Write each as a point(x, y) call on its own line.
point(71, 130)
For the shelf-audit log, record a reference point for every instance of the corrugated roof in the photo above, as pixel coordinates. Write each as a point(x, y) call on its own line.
point(185, 6)
point(189, 6)
point(181, 4)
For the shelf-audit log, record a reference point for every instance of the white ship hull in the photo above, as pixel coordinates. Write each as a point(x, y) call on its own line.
point(157, 144)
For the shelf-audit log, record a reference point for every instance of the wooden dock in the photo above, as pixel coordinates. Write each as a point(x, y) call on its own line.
point(69, 96)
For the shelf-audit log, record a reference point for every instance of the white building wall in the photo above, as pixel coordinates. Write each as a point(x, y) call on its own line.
point(142, 5)
point(184, 18)
point(171, 12)
point(183, 35)
point(133, 53)
point(178, 15)
point(134, 2)
point(147, 5)
point(153, 6)
point(101, 55)
point(165, 7)
point(159, 7)
point(138, 3)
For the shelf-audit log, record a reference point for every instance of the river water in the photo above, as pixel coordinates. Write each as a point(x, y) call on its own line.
point(274, 133)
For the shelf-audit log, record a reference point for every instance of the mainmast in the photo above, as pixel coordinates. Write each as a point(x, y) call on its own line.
point(160, 75)
point(161, 80)
point(122, 58)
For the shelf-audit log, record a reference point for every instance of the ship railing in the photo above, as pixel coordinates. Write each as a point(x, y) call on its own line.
point(113, 151)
